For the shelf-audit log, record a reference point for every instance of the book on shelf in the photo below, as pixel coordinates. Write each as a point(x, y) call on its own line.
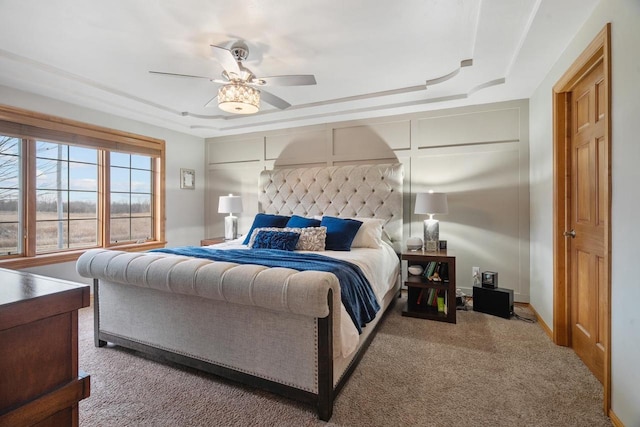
point(434, 297)
point(419, 299)
point(427, 267)
point(437, 273)
point(444, 272)
point(441, 304)
point(431, 268)
point(424, 270)
point(446, 303)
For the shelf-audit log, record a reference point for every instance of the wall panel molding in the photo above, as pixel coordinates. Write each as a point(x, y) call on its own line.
point(478, 155)
point(479, 127)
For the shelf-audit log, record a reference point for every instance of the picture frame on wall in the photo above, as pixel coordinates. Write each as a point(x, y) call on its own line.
point(187, 179)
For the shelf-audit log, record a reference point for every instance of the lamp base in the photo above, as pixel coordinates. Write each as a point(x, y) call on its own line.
point(431, 235)
point(230, 227)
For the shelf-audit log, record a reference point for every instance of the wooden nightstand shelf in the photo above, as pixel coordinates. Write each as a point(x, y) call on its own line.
point(422, 293)
point(212, 241)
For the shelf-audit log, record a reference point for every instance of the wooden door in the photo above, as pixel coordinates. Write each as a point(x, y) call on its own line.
point(587, 213)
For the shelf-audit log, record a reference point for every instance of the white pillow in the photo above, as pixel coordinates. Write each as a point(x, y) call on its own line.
point(311, 238)
point(369, 234)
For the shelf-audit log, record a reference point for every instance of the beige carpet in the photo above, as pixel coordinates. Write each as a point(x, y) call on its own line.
point(483, 371)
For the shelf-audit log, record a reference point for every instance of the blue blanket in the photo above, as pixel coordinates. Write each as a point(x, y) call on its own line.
point(357, 295)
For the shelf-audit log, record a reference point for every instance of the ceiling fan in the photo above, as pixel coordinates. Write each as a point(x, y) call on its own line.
point(238, 93)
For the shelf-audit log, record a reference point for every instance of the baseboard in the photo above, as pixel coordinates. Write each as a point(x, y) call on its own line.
point(542, 324)
point(614, 419)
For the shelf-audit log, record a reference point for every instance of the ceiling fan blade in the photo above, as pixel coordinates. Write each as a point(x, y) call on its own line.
point(212, 102)
point(270, 98)
point(291, 80)
point(179, 75)
point(189, 76)
point(226, 59)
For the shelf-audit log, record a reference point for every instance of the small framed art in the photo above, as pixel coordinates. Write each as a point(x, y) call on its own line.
point(442, 245)
point(187, 179)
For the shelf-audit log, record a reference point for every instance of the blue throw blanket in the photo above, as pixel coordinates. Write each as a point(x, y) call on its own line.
point(357, 296)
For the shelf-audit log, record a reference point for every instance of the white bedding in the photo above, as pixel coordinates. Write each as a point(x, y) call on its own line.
point(380, 266)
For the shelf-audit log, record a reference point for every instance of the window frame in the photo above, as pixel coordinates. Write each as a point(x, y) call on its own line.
point(109, 167)
point(69, 162)
point(33, 126)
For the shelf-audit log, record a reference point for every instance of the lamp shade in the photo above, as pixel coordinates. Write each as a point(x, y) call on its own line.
point(230, 204)
point(431, 203)
point(238, 99)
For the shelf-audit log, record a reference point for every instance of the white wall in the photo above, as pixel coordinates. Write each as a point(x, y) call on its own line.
point(478, 155)
point(624, 16)
point(184, 208)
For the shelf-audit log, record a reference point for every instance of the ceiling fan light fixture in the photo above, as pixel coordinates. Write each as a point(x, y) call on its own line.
point(238, 98)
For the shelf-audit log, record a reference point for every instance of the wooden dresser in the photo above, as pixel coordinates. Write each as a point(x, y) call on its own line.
point(39, 379)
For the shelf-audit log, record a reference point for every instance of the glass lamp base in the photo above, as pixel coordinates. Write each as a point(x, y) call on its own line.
point(431, 246)
point(230, 227)
point(431, 235)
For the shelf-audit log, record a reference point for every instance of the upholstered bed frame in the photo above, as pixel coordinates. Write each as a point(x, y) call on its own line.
point(366, 191)
point(272, 328)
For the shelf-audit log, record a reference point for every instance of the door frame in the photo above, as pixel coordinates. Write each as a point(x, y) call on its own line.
point(599, 50)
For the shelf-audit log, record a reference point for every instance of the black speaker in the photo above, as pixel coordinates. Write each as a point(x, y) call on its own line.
point(498, 301)
point(490, 279)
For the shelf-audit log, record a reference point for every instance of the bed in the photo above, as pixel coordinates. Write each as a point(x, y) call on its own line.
point(279, 329)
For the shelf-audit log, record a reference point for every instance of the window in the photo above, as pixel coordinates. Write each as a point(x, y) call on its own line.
point(10, 200)
point(66, 197)
point(67, 186)
point(131, 197)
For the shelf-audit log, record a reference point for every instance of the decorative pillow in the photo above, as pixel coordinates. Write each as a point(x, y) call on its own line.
point(283, 240)
point(370, 233)
point(311, 238)
point(340, 232)
point(302, 222)
point(266, 220)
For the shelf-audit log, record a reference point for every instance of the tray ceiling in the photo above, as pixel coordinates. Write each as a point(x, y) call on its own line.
point(369, 58)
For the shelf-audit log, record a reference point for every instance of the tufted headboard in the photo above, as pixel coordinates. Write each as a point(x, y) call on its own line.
point(369, 191)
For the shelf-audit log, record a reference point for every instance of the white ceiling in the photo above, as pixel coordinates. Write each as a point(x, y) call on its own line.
point(370, 57)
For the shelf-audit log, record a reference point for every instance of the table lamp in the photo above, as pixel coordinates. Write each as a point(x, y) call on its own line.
point(431, 203)
point(230, 204)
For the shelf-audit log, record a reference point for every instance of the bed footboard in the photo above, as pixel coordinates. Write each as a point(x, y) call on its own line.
point(275, 289)
point(267, 327)
point(272, 328)
point(308, 374)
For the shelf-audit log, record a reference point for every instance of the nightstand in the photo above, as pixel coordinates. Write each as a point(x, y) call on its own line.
point(212, 241)
point(431, 294)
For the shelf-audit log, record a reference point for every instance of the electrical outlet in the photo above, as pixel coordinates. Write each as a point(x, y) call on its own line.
point(475, 275)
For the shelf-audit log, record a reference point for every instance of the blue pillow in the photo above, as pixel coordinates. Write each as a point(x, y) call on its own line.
point(297, 221)
point(265, 220)
point(340, 232)
point(283, 240)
